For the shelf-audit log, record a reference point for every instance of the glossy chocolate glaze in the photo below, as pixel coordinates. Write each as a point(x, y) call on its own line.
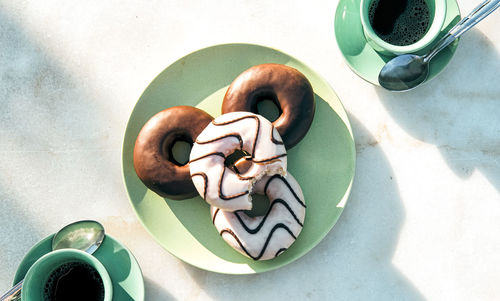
point(153, 159)
point(288, 88)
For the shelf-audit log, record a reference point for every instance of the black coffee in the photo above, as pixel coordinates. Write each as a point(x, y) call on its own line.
point(74, 281)
point(399, 22)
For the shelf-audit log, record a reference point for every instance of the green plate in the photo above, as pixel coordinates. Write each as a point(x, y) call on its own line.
point(365, 61)
point(323, 162)
point(123, 269)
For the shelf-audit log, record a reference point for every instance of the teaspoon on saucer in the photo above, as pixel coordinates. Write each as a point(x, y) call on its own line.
point(407, 71)
point(86, 235)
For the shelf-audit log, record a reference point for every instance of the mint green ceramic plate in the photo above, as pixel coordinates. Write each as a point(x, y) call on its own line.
point(123, 269)
point(365, 61)
point(323, 162)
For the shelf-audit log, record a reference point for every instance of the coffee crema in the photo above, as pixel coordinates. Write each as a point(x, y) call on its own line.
point(74, 281)
point(399, 22)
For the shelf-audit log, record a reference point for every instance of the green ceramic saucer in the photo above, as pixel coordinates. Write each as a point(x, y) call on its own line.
point(322, 163)
point(365, 61)
point(123, 269)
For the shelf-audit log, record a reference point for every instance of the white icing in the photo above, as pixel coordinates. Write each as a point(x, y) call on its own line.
point(221, 140)
point(280, 239)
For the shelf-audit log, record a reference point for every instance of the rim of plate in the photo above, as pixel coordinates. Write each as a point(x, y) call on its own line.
point(344, 198)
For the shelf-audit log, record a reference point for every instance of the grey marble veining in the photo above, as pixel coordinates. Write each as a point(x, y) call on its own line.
point(422, 218)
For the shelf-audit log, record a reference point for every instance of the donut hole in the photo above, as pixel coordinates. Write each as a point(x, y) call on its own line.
point(268, 106)
point(177, 151)
point(238, 161)
point(260, 206)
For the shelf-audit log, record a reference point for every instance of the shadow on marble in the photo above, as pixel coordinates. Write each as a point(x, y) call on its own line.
point(18, 233)
point(458, 111)
point(50, 125)
point(19, 230)
point(353, 262)
point(155, 292)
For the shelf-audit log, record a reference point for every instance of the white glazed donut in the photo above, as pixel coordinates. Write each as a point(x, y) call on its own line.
point(219, 185)
point(265, 237)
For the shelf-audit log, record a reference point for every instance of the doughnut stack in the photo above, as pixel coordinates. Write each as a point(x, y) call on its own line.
point(234, 156)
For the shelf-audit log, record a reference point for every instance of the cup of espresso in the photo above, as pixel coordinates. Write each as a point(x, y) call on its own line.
point(394, 27)
point(67, 274)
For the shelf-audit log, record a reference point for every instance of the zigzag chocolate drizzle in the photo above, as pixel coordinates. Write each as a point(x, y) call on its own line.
point(215, 215)
point(277, 176)
point(205, 180)
point(260, 162)
point(235, 135)
point(221, 179)
point(280, 251)
point(208, 155)
point(241, 148)
point(272, 137)
point(276, 227)
point(222, 196)
point(275, 202)
point(242, 118)
point(232, 134)
point(255, 230)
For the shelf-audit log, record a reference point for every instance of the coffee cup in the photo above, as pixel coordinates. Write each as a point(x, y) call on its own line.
point(66, 273)
point(384, 23)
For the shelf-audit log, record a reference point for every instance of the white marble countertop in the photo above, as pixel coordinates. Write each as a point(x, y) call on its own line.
point(423, 216)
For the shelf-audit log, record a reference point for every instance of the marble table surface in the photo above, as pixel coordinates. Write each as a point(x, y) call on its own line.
point(422, 219)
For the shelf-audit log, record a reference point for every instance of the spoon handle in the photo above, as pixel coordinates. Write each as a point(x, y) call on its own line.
point(13, 293)
point(479, 13)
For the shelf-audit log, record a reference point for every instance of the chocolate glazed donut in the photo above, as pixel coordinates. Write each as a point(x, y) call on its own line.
point(153, 160)
point(288, 88)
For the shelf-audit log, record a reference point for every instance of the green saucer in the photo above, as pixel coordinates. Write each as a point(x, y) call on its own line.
point(365, 61)
point(123, 269)
point(322, 163)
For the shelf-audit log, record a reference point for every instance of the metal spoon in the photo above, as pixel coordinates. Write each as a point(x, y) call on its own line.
point(407, 71)
point(86, 235)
